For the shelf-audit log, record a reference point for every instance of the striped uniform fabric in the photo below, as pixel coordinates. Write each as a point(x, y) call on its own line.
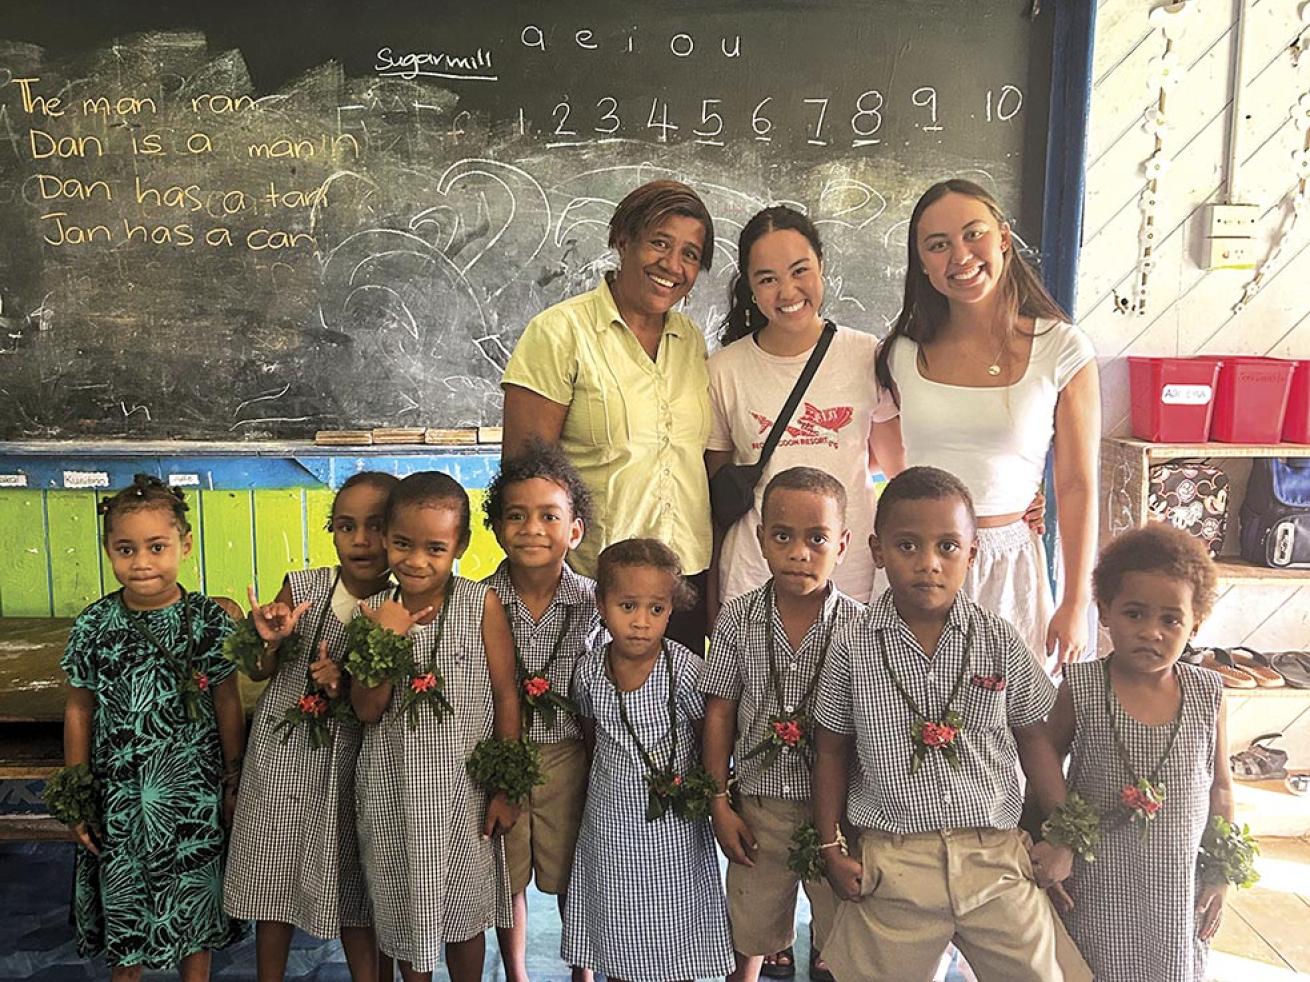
point(738, 669)
point(857, 696)
point(1134, 915)
point(645, 900)
point(431, 876)
point(573, 609)
point(294, 855)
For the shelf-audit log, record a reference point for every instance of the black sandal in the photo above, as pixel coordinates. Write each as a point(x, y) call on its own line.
point(817, 973)
point(780, 969)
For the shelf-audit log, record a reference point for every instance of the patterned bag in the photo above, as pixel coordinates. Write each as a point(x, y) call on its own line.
point(1192, 497)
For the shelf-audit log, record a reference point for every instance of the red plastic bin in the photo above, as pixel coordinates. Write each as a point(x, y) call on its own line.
point(1172, 398)
point(1296, 424)
point(1251, 400)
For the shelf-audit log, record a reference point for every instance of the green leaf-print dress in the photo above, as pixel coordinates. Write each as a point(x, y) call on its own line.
point(155, 893)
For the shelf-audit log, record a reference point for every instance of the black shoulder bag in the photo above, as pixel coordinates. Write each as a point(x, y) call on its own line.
point(732, 488)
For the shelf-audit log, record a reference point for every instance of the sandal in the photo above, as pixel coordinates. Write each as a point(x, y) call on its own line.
point(1297, 782)
point(1259, 762)
point(1294, 666)
point(819, 971)
point(1256, 665)
point(1220, 662)
point(780, 965)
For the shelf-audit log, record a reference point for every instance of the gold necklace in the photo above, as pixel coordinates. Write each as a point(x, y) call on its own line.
point(994, 368)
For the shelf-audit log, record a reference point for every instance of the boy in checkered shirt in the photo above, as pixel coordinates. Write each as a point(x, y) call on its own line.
point(941, 700)
point(765, 656)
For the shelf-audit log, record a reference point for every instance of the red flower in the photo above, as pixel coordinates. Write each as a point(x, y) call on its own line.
point(938, 734)
point(423, 683)
point(789, 732)
point(1138, 800)
point(677, 780)
point(312, 705)
point(202, 681)
point(536, 686)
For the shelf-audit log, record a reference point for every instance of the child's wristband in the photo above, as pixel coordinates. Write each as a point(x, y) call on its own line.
point(1075, 825)
point(509, 767)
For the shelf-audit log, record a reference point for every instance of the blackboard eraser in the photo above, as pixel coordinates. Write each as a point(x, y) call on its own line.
point(491, 434)
point(463, 435)
point(398, 434)
point(344, 438)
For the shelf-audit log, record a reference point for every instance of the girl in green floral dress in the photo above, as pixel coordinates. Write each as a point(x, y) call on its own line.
point(153, 709)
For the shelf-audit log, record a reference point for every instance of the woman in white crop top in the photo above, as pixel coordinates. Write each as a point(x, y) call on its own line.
point(988, 374)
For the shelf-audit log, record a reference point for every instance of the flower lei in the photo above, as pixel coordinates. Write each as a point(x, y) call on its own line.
point(536, 694)
point(428, 687)
point(687, 795)
point(73, 796)
point(192, 684)
point(1141, 798)
point(1227, 854)
point(315, 710)
point(790, 729)
point(926, 735)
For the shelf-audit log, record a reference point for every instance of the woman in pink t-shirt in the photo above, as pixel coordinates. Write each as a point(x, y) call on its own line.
point(772, 326)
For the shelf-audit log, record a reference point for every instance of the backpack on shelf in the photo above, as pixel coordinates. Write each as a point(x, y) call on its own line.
point(1192, 497)
point(1276, 513)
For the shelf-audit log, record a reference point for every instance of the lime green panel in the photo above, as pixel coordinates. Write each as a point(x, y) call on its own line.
point(75, 550)
point(484, 553)
point(228, 538)
point(279, 539)
point(188, 572)
point(318, 507)
point(25, 573)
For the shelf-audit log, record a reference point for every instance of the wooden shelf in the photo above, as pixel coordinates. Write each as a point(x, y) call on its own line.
point(1125, 474)
point(1236, 571)
point(1170, 451)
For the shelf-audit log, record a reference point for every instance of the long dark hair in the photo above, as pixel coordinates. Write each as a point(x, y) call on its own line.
point(743, 316)
point(924, 310)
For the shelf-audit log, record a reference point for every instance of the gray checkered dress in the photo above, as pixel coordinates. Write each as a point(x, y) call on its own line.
point(294, 855)
point(1134, 914)
point(738, 669)
point(431, 876)
point(573, 610)
point(645, 902)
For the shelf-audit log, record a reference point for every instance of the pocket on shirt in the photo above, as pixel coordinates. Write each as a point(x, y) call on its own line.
point(985, 709)
point(603, 414)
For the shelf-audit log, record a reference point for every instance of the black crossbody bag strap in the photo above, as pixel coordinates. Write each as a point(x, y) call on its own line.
point(797, 393)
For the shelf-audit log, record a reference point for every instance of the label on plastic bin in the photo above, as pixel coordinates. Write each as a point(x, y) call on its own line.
point(1186, 395)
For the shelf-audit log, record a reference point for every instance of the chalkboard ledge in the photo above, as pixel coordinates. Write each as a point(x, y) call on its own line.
point(212, 466)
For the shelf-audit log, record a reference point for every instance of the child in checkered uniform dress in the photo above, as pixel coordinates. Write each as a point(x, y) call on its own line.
point(293, 859)
point(1139, 911)
point(431, 840)
point(765, 656)
point(538, 507)
point(644, 903)
point(940, 699)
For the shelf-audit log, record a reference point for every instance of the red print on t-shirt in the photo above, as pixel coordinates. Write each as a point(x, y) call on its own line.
point(805, 430)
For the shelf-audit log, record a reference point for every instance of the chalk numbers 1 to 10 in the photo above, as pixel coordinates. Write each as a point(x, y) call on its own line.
point(825, 122)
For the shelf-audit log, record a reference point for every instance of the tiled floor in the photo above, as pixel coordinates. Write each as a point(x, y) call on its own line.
point(1265, 936)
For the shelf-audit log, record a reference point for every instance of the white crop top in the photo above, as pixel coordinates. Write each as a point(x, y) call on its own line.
point(993, 439)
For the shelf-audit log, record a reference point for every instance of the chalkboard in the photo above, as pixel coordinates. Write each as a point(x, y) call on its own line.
point(260, 220)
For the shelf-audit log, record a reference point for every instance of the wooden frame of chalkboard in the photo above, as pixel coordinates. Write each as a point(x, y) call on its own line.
point(247, 222)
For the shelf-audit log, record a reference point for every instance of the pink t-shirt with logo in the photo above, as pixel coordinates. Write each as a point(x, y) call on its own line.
point(829, 431)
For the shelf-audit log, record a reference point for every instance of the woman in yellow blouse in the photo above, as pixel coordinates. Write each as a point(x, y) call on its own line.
point(618, 379)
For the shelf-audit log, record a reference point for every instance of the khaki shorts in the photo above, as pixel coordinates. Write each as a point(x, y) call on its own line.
point(762, 898)
point(543, 839)
point(970, 887)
